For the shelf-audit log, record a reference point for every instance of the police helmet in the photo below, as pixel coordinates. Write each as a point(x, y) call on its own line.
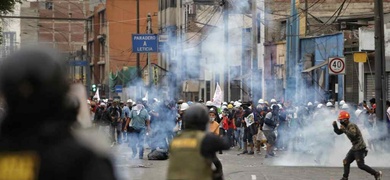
point(36, 77)
point(196, 117)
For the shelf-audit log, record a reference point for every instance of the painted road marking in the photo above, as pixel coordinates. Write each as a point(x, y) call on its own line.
point(254, 177)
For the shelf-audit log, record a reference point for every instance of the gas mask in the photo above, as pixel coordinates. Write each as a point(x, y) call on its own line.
point(344, 123)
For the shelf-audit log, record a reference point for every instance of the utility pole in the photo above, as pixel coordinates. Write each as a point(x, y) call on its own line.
point(138, 55)
point(149, 28)
point(306, 12)
point(254, 75)
point(226, 84)
point(380, 66)
point(139, 75)
point(292, 50)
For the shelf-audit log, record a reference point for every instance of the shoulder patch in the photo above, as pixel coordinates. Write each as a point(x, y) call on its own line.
point(184, 143)
point(19, 166)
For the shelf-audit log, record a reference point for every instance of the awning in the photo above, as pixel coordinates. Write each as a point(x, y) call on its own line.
point(316, 66)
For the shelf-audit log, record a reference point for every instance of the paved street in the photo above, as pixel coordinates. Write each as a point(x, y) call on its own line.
point(241, 167)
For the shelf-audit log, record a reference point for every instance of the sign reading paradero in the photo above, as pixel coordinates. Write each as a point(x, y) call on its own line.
point(145, 43)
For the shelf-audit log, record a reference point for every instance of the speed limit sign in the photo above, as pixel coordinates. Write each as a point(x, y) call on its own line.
point(336, 66)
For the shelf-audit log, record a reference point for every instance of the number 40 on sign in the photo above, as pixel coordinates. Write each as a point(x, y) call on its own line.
point(336, 66)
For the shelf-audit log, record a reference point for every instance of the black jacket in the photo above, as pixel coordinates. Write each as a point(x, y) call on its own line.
point(56, 153)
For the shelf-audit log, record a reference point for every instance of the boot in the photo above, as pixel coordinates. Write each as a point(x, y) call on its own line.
point(252, 149)
point(245, 148)
point(378, 176)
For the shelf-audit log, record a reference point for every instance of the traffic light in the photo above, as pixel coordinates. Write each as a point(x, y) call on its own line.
point(94, 88)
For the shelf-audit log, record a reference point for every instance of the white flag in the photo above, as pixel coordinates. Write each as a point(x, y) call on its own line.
point(218, 96)
point(97, 94)
point(146, 96)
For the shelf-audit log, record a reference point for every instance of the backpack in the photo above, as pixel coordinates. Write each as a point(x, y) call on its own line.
point(270, 122)
point(158, 155)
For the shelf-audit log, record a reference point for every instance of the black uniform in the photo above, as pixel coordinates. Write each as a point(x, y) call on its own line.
point(35, 136)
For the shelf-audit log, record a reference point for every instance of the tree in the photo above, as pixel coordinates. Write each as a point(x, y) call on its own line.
point(7, 6)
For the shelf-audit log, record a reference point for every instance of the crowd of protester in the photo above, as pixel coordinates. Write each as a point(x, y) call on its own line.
point(249, 126)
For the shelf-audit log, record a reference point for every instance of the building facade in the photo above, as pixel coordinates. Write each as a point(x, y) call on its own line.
point(111, 24)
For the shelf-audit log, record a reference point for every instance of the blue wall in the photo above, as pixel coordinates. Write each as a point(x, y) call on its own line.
point(324, 47)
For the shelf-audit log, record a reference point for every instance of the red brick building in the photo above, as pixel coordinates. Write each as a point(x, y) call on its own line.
point(110, 27)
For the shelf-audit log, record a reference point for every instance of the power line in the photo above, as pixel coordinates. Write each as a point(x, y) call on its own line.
point(213, 13)
point(338, 10)
point(44, 18)
point(207, 35)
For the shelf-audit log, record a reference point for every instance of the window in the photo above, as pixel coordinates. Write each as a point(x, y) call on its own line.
point(102, 50)
point(89, 23)
point(49, 5)
point(90, 50)
point(208, 90)
point(283, 30)
point(102, 18)
point(172, 3)
point(190, 8)
point(101, 69)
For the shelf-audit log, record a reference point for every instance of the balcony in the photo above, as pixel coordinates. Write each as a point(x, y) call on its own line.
point(102, 59)
point(204, 2)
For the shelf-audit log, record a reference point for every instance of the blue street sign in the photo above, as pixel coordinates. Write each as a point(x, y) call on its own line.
point(118, 88)
point(145, 43)
point(78, 63)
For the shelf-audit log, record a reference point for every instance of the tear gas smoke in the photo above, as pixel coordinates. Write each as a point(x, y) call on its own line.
point(315, 144)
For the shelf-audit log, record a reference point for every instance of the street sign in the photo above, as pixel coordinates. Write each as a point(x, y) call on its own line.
point(78, 63)
point(360, 57)
point(162, 42)
point(145, 43)
point(118, 88)
point(336, 66)
point(163, 38)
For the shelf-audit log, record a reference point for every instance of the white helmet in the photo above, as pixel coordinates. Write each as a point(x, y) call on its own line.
point(184, 106)
point(144, 99)
point(225, 103)
point(344, 106)
point(261, 101)
point(309, 104)
point(209, 103)
point(358, 112)
point(102, 104)
point(329, 104)
point(237, 104)
point(273, 101)
point(319, 106)
point(129, 101)
point(342, 102)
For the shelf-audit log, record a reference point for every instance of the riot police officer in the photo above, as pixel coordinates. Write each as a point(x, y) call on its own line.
point(35, 135)
point(197, 146)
